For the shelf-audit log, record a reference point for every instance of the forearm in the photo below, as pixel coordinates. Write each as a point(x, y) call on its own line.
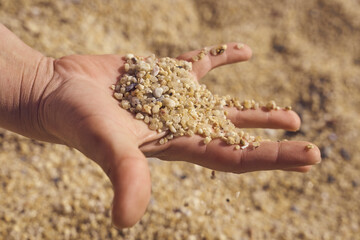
point(23, 76)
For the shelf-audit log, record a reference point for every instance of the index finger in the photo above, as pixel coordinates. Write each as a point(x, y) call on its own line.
point(234, 52)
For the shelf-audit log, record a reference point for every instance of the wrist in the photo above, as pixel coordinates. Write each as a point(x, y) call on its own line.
point(24, 77)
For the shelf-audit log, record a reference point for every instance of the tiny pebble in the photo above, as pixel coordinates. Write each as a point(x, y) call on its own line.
point(240, 45)
point(139, 116)
point(130, 87)
point(126, 67)
point(247, 104)
point(158, 92)
point(125, 104)
point(207, 140)
point(271, 105)
point(243, 144)
point(309, 146)
point(118, 96)
point(169, 102)
point(129, 56)
point(172, 129)
point(155, 71)
point(135, 101)
point(218, 50)
point(155, 109)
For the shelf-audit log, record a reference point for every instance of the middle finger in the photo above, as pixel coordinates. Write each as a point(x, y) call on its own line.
point(263, 118)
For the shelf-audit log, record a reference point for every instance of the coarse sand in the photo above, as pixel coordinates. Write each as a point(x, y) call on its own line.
point(305, 54)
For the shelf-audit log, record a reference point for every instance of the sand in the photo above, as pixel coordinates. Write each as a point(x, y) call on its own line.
point(305, 54)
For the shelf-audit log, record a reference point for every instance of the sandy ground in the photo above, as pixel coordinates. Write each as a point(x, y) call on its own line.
point(306, 54)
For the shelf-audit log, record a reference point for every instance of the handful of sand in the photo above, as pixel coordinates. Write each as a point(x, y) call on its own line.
point(164, 94)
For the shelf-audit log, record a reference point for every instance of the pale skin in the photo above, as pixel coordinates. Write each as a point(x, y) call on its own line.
point(69, 101)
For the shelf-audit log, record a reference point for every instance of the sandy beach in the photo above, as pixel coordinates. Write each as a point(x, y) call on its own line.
point(305, 54)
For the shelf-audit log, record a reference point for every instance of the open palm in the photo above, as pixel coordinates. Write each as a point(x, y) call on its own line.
point(79, 111)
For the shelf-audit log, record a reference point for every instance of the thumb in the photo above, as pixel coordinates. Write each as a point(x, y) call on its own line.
point(130, 176)
point(116, 150)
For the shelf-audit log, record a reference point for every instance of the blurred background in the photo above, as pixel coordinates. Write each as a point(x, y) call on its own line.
point(305, 54)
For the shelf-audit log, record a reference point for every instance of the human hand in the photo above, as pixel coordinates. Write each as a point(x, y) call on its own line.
point(72, 104)
point(81, 112)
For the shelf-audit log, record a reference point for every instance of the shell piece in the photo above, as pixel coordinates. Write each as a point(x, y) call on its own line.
point(169, 102)
point(129, 56)
point(245, 145)
point(271, 105)
point(195, 58)
point(309, 146)
point(200, 55)
point(158, 92)
point(130, 87)
point(240, 46)
point(207, 140)
point(118, 96)
point(125, 104)
point(139, 116)
point(135, 101)
point(218, 50)
point(126, 67)
point(155, 109)
point(155, 71)
point(172, 129)
point(163, 141)
point(247, 104)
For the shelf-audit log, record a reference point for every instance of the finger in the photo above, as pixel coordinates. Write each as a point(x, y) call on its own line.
point(263, 118)
point(232, 54)
point(118, 154)
point(131, 181)
point(218, 155)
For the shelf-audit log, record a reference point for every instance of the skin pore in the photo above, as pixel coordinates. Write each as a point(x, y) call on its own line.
point(69, 101)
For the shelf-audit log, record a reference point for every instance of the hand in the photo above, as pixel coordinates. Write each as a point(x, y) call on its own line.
point(69, 101)
point(81, 112)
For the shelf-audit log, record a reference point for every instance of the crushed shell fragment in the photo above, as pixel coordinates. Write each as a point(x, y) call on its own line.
point(271, 105)
point(207, 140)
point(200, 55)
point(240, 45)
point(218, 50)
point(309, 146)
point(139, 116)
